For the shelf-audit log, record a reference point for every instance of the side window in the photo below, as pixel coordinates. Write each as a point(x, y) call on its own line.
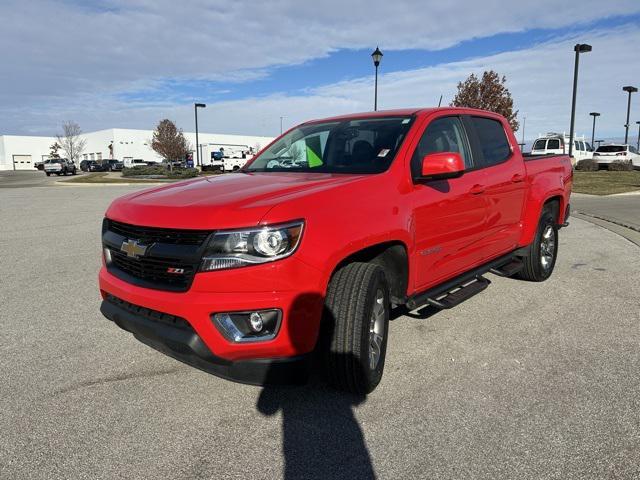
point(554, 144)
point(540, 144)
point(493, 141)
point(444, 134)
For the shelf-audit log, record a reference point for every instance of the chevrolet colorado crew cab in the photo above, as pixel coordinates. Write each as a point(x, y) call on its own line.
point(304, 252)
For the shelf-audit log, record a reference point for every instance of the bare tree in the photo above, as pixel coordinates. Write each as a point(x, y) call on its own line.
point(169, 142)
point(71, 143)
point(489, 93)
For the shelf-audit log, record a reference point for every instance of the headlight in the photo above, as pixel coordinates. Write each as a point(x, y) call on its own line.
point(240, 248)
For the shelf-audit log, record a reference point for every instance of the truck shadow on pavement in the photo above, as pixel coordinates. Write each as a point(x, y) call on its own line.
point(321, 438)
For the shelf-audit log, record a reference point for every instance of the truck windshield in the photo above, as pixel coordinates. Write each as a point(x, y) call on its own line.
point(366, 145)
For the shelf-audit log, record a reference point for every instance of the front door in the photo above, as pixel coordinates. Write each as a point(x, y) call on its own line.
point(449, 216)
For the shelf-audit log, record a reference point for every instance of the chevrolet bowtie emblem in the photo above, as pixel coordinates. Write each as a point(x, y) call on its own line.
point(133, 249)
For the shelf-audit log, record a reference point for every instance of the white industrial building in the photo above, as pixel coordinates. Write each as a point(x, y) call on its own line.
point(19, 152)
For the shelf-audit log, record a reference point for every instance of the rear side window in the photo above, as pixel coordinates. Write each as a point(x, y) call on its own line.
point(493, 141)
point(554, 144)
point(540, 144)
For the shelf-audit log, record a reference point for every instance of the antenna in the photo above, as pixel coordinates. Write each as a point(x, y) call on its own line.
point(440, 102)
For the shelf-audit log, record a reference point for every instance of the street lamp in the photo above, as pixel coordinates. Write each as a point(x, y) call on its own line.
point(377, 57)
point(629, 90)
point(196, 106)
point(593, 130)
point(579, 48)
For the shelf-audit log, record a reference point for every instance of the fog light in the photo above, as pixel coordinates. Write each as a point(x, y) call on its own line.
point(255, 320)
point(251, 326)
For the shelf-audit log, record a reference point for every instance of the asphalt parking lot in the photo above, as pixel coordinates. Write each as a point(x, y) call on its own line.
point(522, 381)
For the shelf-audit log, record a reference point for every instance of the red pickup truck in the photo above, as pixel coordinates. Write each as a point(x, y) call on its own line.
point(304, 252)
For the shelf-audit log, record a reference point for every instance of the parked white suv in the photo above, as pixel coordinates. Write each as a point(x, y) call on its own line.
point(606, 154)
point(558, 144)
point(59, 166)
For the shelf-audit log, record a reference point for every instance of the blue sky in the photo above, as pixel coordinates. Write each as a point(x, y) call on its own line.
point(349, 64)
point(129, 63)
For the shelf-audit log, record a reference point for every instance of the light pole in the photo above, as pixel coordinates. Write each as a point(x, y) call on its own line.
point(629, 90)
point(638, 144)
point(196, 106)
point(377, 57)
point(593, 129)
point(579, 48)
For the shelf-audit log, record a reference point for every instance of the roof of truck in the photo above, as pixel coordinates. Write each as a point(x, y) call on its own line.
point(400, 112)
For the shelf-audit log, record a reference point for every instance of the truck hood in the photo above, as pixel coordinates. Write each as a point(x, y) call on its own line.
point(221, 201)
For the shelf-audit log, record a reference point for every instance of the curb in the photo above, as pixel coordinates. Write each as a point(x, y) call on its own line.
point(105, 184)
point(629, 234)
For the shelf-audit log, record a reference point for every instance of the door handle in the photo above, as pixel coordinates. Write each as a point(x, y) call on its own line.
point(477, 189)
point(517, 178)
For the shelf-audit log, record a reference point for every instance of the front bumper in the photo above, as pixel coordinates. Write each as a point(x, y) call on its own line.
point(227, 291)
point(184, 344)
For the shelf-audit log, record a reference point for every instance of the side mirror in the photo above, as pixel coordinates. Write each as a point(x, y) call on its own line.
point(440, 166)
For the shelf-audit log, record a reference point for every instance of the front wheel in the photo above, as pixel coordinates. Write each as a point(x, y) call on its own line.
point(539, 264)
point(355, 327)
point(48, 174)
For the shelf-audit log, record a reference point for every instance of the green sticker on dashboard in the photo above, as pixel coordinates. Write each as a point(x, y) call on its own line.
point(313, 145)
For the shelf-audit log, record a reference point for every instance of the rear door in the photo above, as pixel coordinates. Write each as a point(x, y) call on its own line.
point(448, 215)
point(505, 183)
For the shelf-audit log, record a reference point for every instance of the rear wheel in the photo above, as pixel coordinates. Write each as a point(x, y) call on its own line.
point(355, 327)
point(539, 264)
point(48, 174)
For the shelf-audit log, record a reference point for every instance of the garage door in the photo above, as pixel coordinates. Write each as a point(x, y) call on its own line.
point(22, 162)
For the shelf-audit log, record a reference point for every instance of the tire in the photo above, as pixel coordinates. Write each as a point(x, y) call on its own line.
point(539, 264)
point(48, 174)
point(356, 327)
point(74, 171)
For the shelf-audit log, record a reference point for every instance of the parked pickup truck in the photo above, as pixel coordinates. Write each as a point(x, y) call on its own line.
point(305, 251)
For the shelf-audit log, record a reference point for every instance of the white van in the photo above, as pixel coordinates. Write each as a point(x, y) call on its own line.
point(225, 157)
point(558, 144)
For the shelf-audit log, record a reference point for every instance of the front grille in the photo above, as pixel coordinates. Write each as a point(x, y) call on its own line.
point(169, 263)
point(148, 235)
point(149, 314)
point(155, 271)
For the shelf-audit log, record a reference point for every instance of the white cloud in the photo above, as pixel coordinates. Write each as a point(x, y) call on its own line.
point(82, 57)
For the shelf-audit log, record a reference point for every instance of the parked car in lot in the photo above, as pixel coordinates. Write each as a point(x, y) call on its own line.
point(606, 154)
point(248, 276)
point(59, 166)
point(558, 144)
point(84, 165)
point(106, 166)
point(137, 162)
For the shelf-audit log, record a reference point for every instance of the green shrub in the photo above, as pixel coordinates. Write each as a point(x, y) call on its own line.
point(183, 173)
point(620, 166)
point(160, 170)
point(144, 170)
point(587, 165)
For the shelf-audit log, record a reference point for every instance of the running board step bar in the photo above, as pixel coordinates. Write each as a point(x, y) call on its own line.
point(467, 279)
point(509, 269)
point(460, 294)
